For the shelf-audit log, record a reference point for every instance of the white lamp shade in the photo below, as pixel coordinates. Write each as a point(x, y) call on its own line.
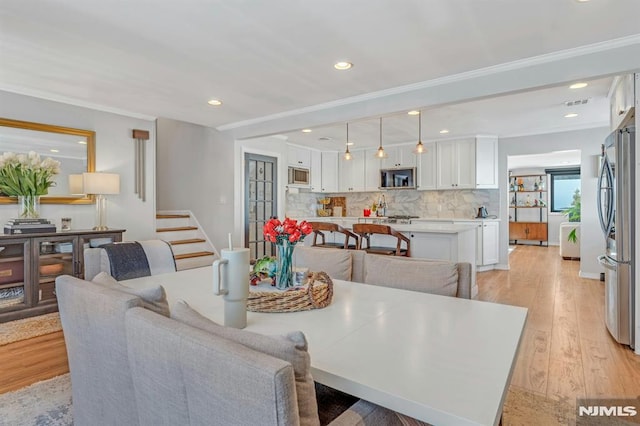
point(75, 184)
point(101, 183)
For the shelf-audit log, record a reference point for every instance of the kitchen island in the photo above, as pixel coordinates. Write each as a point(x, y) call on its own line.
point(439, 241)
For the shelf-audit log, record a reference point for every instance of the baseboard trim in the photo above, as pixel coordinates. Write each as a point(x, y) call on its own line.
point(502, 266)
point(589, 275)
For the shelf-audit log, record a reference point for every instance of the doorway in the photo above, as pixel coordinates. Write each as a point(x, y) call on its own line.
point(260, 188)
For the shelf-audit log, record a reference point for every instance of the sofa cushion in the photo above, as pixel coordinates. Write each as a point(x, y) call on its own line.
point(291, 348)
point(153, 298)
point(335, 262)
point(412, 274)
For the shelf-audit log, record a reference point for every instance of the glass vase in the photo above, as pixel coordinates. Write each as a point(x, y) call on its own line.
point(284, 271)
point(29, 206)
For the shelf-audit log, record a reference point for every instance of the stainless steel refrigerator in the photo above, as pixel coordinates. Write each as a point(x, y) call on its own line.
point(616, 201)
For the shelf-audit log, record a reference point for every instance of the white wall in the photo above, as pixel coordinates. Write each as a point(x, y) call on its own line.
point(195, 172)
point(114, 154)
point(588, 142)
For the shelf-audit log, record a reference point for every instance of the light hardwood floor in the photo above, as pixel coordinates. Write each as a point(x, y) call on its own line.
point(566, 351)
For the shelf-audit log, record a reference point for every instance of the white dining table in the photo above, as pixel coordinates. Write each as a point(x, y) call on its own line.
point(443, 360)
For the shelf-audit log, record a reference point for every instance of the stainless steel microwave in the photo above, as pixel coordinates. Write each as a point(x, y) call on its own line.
point(398, 178)
point(298, 176)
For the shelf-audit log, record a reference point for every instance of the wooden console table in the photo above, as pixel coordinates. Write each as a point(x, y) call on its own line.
point(30, 263)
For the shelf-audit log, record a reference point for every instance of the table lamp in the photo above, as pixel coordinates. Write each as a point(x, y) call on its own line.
point(101, 184)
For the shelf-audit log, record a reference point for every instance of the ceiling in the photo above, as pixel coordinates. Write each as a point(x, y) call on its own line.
point(271, 63)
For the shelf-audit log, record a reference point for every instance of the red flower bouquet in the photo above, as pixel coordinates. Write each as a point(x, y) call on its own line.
point(285, 235)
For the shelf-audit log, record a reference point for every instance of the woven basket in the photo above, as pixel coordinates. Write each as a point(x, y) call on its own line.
point(316, 295)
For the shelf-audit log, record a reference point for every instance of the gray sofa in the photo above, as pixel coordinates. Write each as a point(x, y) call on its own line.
point(132, 366)
point(429, 276)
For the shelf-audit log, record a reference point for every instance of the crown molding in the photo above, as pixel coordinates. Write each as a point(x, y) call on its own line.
point(468, 75)
point(75, 102)
point(595, 125)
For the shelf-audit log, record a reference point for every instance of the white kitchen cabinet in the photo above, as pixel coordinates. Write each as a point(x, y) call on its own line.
point(427, 167)
point(329, 172)
point(467, 163)
point(371, 170)
point(486, 162)
point(399, 156)
point(352, 173)
point(456, 161)
point(487, 232)
point(299, 156)
point(622, 99)
point(490, 242)
point(316, 171)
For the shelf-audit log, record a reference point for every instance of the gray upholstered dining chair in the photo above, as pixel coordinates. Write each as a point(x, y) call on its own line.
point(129, 259)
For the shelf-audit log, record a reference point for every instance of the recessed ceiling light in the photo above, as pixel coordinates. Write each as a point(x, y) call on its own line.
point(578, 85)
point(350, 143)
point(306, 130)
point(342, 65)
point(414, 112)
point(571, 115)
point(215, 102)
point(54, 150)
point(443, 131)
point(582, 1)
point(82, 142)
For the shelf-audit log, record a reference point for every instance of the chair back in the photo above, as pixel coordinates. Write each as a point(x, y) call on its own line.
point(198, 378)
point(92, 319)
point(319, 227)
point(366, 230)
point(156, 257)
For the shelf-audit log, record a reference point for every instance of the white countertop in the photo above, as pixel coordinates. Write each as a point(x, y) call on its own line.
point(440, 227)
point(443, 360)
point(372, 218)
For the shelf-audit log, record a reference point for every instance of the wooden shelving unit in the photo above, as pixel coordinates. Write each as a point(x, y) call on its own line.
point(528, 208)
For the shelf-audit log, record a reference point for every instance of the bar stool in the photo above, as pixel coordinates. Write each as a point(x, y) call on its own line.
point(365, 230)
point(318, 227)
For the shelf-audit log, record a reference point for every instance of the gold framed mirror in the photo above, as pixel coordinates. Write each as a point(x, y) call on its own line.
point(74, 148)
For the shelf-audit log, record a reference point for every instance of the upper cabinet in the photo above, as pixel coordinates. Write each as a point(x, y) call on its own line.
point(399, 156)
point(361, 173)
point(427, 167)
point(316, 171)
point(456, 164)
point(622, 99)
point(467, 163)
point(298, 156)
point(329, 172)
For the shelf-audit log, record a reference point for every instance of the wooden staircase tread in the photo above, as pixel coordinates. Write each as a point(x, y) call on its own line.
point(194, 254)
point(172, 216)
point(189, 241)
point(180, 228)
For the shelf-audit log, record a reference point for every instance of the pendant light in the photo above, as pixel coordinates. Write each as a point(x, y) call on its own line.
point(380, 151)
point(347, 154)
point(420, 145)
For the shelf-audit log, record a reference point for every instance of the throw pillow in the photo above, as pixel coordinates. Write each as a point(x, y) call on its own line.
point(291, 348)
point(412, 274)
point(153, 298)
point(336, 263)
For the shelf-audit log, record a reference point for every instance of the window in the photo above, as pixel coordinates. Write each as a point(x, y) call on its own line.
point(564, 183)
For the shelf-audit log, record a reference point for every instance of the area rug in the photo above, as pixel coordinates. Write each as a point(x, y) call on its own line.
point(524, 408)
point(26, 328)
point(45, 403)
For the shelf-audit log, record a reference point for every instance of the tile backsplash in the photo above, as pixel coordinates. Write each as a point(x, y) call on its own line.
point(458, 204)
